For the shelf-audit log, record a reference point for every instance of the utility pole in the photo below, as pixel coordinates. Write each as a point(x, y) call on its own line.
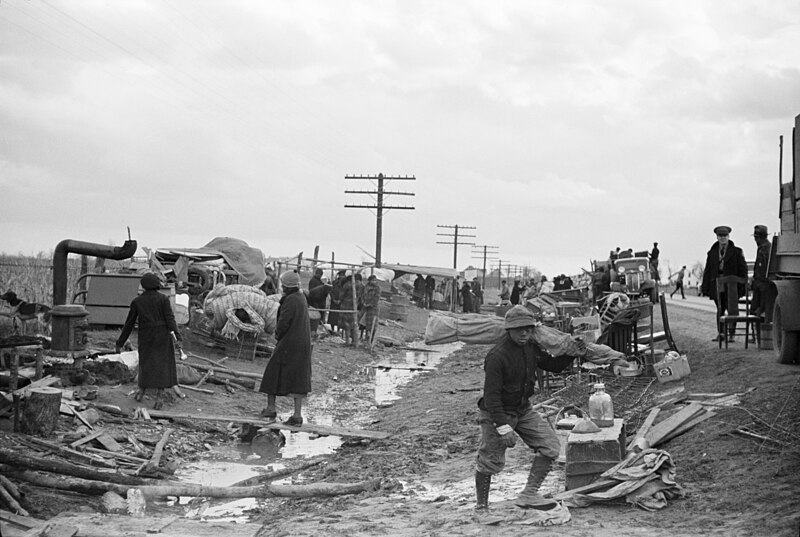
point(455, 242)
point(486, 253)
point(379, 206)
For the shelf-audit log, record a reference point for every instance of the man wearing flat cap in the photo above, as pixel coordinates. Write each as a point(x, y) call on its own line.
point(763, 295)
point(511, 370)
point(724, 259)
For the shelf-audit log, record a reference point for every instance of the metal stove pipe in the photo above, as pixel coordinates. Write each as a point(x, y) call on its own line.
point(68, 246)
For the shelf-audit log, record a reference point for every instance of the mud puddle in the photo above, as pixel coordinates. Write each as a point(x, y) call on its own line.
point(351, 405)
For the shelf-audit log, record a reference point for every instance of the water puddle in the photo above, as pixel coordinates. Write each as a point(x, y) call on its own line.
point(230, 463)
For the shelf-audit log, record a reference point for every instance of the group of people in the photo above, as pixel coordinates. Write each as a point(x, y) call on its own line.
point(471, 296)
point(424, 288)
point(522, 291)
point(724, 258)
point(351, 305)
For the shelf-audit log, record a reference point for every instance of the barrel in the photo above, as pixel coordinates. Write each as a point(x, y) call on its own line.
point(766, 337)
point(69, 327)
point(398, 311)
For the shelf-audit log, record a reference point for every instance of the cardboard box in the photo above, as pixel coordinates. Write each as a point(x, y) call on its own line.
point(669, 369)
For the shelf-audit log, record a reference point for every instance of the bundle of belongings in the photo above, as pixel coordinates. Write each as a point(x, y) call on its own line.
point(234, 308)
point(445, 327)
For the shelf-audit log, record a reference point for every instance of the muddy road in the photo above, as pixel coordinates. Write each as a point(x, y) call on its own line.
point(733, 485)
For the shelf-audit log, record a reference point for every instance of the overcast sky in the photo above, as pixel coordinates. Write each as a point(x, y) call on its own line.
point(557, 130)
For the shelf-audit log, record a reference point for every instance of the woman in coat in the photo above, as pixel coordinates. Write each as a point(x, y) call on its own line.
point(288, 372)
point(157, 325)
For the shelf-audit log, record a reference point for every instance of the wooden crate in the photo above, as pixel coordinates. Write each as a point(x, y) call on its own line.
point(589, 455)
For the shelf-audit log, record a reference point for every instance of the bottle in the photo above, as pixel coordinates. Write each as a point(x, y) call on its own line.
point(601, 408)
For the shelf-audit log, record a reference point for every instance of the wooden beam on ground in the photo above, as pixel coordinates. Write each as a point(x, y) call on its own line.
point(155, 460)
point(664, 428)
point(87, 486)
point(644, 427)
point(323, 430)
point(689, 424)
point(71, 454)
point(104, 525)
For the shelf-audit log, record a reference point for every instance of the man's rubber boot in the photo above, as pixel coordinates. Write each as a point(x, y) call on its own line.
point(483, 515)
point(530, 497)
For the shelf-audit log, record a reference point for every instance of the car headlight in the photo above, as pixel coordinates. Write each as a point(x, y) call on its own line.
point(621, 270)
point(641, 268)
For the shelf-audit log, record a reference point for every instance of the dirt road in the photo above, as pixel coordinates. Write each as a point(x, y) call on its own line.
point(733, 485)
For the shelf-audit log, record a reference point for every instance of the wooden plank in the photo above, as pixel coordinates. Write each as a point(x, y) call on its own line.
point(21, 521)
point(87, 438)
point(323, 430)
point(661, 430)
point(103, 525)
point(67, 453)
point(49, 380)
point(689, 424)
point(109, 443)
point(644, 427)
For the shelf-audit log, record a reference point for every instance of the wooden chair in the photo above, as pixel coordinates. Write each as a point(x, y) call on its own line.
point(727, 323)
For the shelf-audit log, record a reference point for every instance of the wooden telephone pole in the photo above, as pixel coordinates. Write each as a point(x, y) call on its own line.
point(455, 242)
point(379, 206)
point(488, 253)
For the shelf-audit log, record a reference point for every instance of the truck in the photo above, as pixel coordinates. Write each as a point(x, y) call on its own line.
point(783, 269)
point(631, 275)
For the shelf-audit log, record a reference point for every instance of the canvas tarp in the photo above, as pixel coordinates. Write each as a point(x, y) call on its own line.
point(646, 480)
point(445, 327)
point(247, 261)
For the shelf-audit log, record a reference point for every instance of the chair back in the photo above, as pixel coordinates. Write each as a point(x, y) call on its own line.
point(729, 285)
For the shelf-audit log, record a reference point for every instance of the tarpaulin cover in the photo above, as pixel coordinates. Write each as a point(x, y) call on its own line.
point(646, 480)
point(247, 261)
point(445, 327)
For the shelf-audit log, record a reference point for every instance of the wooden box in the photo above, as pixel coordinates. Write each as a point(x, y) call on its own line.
point(591, 454)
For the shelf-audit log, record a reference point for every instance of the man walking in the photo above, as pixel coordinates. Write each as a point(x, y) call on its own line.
point(679, 282)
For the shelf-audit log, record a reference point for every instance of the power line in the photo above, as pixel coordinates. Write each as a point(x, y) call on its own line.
point(379, 205)
point(455, 242)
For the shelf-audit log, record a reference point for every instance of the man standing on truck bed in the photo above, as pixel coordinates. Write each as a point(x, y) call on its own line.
point(724, 259)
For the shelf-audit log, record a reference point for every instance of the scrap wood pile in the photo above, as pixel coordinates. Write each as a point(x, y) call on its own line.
point(673, 414)
point(104, 455)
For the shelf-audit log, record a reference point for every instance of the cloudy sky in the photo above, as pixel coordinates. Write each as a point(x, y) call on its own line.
point(557, 130)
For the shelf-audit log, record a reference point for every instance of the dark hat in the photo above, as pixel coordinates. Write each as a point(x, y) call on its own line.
point(519, 317)
point(372, 277)
point(150, 282)
point(760, 231)
point(342, 272)
point(722, 230)
point(318, 272)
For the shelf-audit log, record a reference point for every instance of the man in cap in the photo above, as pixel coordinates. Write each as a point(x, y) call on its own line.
point(288, 372)
point(511, 371)
point(516, 291)
point(654, 253)
point(679, 276)
point(763, 296)
point(723, 259)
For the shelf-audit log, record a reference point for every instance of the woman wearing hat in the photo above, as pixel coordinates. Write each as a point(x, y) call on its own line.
point(157, 325)
point(288, 372)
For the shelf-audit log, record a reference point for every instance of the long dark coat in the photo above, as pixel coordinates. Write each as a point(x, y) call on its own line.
point(288, 371)
point(154, 314)
point(733, 265)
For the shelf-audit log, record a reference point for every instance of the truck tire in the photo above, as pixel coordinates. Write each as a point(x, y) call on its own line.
point(786, 342)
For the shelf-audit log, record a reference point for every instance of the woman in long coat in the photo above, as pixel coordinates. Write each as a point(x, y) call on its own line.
point(288, 372)
point(156, 322)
